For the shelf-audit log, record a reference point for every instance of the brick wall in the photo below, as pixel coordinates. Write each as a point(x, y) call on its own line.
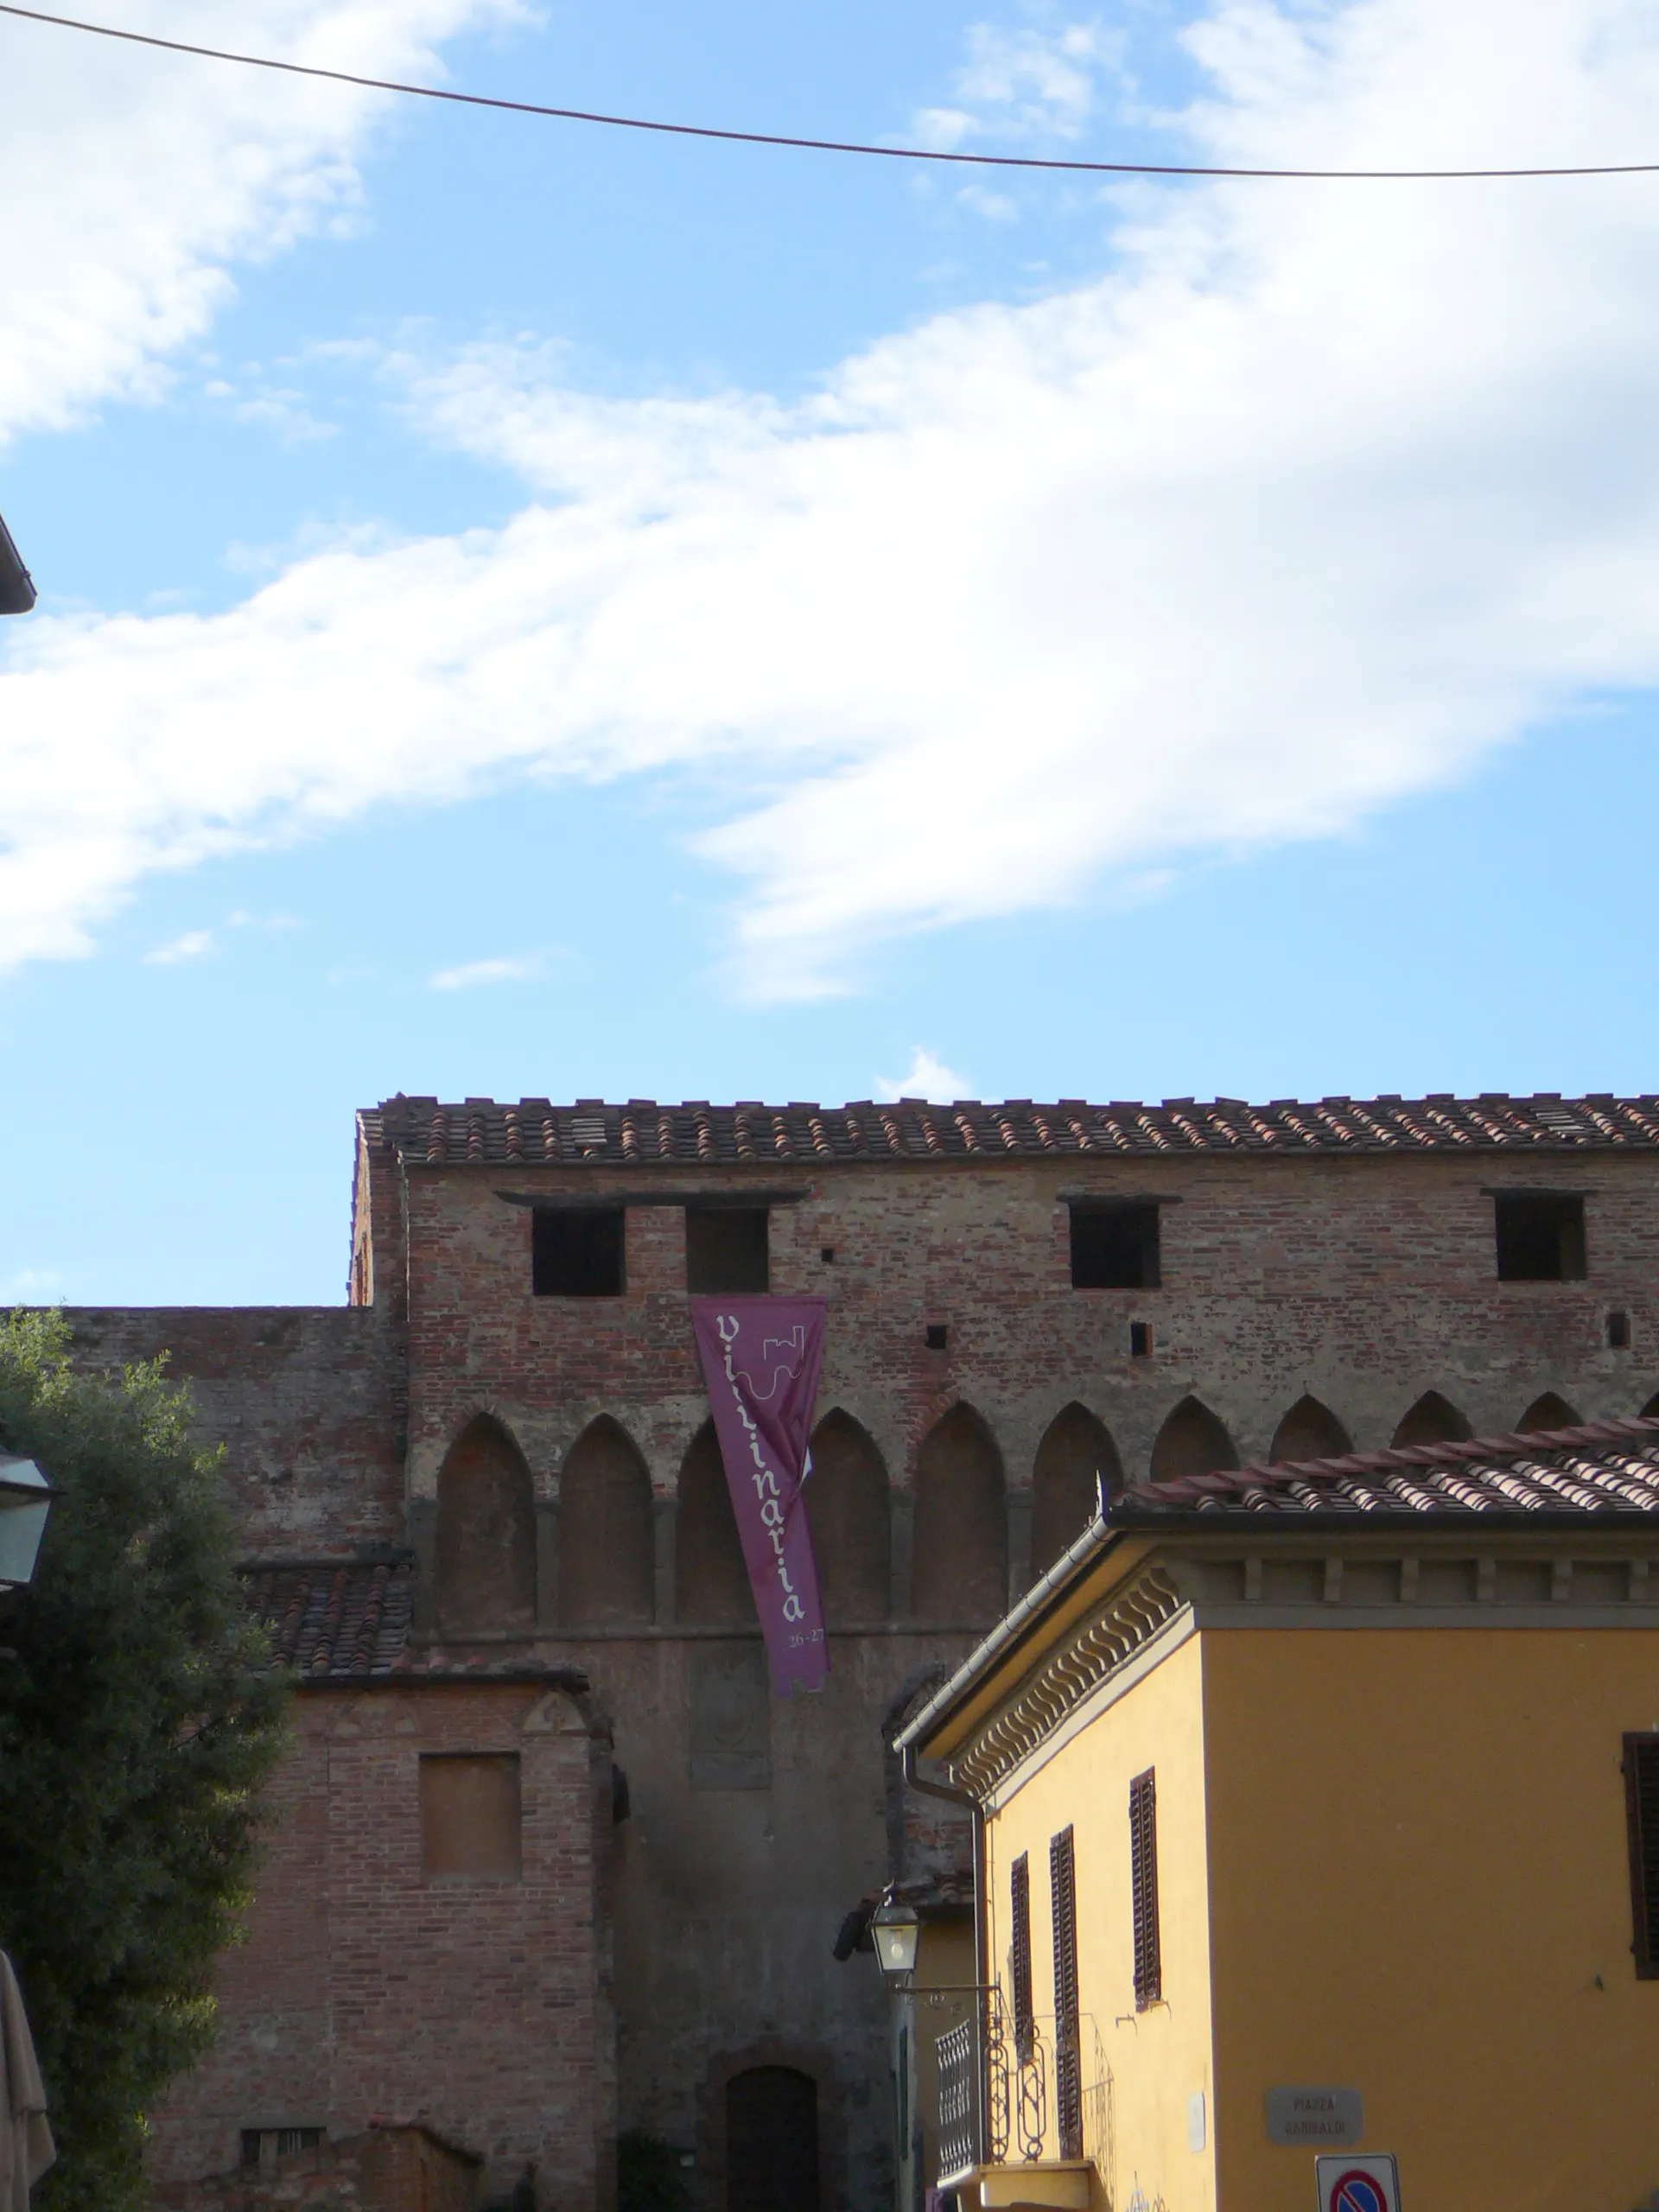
point(308, 1402)
point(366, 1993)
point(1364, 1282)
point(388, 2170)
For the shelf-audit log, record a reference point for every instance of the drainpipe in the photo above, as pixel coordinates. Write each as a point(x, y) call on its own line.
point(952, 1796)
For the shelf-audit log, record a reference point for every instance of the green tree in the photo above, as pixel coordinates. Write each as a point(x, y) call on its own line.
point(139, 1718)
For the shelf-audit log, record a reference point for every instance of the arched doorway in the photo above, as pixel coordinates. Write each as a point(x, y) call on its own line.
point(772, 2140)
point(959, 1560)
point(1193, 1441)
point(1547, 1412)
point(711, 1582)
point(1432, 1420)
point(606, 1567)
point(1309, 1431)
point(486, 1534)
point(1075, 1447)
point(846, 1498)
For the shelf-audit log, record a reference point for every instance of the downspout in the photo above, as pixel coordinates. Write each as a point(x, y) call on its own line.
point(952, 1796)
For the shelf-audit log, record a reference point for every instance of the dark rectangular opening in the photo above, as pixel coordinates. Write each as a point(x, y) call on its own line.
point(1618, 1332)
point(1143, 1890)
point(1020, 1959)
point(727, 1249)
point(1540, 1237)
point(577, 1252)
point(1642, 1827)
point(1068, 2071)
point(1140, 1340)
point(1114, 1247)
point(935, 1335)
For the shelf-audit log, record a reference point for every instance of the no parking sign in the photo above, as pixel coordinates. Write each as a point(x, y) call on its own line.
point(1350, 2185)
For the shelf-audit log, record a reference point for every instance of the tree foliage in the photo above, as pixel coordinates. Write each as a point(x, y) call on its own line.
point(138, 1717)
point(649, 2174)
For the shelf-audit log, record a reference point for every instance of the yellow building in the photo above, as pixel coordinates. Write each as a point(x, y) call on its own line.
point(1320, 1810)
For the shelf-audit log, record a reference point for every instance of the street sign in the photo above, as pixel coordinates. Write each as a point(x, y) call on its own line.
point(1350, 2185)
point(1317, 2118)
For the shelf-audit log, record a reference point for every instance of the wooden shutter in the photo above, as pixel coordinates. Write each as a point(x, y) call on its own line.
point(1020, 1960)
point(1068, 2075)
point(1642, 1820)
point(1143, 1889)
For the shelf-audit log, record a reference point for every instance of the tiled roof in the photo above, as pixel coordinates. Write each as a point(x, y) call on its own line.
point(642, 1133)
point(332, 1621)
point(1600, 1469)
point(347, 1621)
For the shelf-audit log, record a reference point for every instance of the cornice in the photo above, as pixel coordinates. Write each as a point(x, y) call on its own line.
point(1405, 1577)
point(1059, 1682)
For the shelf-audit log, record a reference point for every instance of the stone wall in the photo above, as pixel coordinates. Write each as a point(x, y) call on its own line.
point(308, 1402)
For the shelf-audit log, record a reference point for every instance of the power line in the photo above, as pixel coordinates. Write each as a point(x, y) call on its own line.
point(821, 145)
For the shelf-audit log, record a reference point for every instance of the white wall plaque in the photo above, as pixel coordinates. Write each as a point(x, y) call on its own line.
point(1315, 2117)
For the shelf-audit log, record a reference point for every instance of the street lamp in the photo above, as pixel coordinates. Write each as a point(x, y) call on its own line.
point(25, 1500)
point(895, 1931)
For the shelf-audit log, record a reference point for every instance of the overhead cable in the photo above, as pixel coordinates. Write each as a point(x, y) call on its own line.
point(822, 145)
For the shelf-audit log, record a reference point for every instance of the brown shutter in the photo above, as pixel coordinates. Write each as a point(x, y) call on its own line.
point(1143, 1889)
point(1024, 2010)
point(1642, 1820)
point(1067, 2076)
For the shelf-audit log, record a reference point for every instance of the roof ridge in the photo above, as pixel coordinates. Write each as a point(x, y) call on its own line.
point(646, 1132)
point(1508, 1446)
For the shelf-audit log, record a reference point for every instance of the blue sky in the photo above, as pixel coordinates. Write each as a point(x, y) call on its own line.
point(531, 609)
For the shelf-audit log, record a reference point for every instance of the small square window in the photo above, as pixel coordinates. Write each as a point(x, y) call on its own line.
point(577, 1251)
point(726, 1248)
point(1115, 1247)
point(1618, 1332)
point(470, 1823)
point(1540, 1237)
point(936, 1336)
point(261, 2145)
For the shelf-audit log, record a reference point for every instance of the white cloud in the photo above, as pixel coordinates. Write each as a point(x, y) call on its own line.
point(471, 974)
point(1030, 82)
point(190, 946)
point(927, 1078)
point(1322, 493)
point(136, 178)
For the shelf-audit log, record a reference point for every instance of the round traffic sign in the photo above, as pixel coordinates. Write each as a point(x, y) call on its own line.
point(1358, 2192)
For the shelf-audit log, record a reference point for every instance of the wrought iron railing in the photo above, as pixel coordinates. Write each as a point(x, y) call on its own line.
point(1024, 2094)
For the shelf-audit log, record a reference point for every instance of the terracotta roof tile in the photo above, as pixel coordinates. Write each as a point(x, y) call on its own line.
point(642, 1134)
point(333, 1620)
point(348, 1620)
point(1602, 1467)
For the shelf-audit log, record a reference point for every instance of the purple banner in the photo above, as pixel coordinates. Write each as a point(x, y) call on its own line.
point(760, 1360)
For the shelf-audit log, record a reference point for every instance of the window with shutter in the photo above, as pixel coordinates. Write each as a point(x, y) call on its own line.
point(1143, 1889)
point(1068, 2072)
point(1642, 1820)
point(1019, 1957)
